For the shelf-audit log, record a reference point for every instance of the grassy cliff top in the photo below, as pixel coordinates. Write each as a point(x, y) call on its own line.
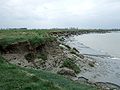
point(8, 37)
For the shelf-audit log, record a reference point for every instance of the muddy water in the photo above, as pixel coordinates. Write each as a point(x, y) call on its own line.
point(105, 49)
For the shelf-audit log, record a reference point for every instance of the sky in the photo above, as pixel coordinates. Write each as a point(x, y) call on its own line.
point(60, 13)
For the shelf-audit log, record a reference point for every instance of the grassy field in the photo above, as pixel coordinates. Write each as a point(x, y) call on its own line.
point(16, 78)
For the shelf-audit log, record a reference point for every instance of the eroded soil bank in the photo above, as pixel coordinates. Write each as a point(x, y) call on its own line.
point(54, 57)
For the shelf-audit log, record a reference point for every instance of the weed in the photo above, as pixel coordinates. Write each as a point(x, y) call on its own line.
point(43, 56)
point(30, 57)
point(69, 63)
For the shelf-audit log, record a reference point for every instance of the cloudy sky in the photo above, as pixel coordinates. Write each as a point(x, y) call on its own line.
point(60, 13)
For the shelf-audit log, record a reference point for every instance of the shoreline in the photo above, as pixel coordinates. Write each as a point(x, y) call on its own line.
point(97, 57)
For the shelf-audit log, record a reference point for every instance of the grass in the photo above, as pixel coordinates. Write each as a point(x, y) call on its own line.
point(16, 78)
point(8, 37)
point(69, 63)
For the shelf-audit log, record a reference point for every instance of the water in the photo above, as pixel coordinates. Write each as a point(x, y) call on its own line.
point(104, 48)
point(108, 42)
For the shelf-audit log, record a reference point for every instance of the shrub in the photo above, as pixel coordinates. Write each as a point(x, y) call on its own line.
point(69, 63)
point(30, 57)
point(42, 56)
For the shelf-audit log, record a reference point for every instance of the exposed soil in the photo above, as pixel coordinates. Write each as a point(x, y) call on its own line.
point(16, 52)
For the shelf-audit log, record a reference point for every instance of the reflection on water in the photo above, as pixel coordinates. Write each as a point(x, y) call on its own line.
point(108, 42)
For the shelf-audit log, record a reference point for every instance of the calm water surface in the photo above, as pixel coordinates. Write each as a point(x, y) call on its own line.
point(108, 42)
point(105, 50)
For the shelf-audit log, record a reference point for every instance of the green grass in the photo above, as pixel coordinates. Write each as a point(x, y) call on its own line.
point(8, 37)
point(15, 78)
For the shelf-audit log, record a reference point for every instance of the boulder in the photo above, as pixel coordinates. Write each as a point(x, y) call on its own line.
point(66, 71)
point(91, 63)
point(83, 79)
point(81, 56)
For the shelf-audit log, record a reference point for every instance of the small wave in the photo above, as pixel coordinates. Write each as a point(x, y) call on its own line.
point(115, 58)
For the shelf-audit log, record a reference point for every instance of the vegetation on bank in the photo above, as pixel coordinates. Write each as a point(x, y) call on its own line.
point(69, 63)
point(16, 78)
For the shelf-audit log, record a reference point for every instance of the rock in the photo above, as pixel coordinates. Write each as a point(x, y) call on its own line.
point(66, 71)
point(107, 86)
point(62, 46)
point(76, 50)
point(81, 56)
point(19, 63)
point(91, 63)
point(82, 79)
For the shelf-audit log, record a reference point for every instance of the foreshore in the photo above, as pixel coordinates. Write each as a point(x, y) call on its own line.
point(106, 69)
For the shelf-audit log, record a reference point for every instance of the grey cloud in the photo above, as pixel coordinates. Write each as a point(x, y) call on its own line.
point(60, 13)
